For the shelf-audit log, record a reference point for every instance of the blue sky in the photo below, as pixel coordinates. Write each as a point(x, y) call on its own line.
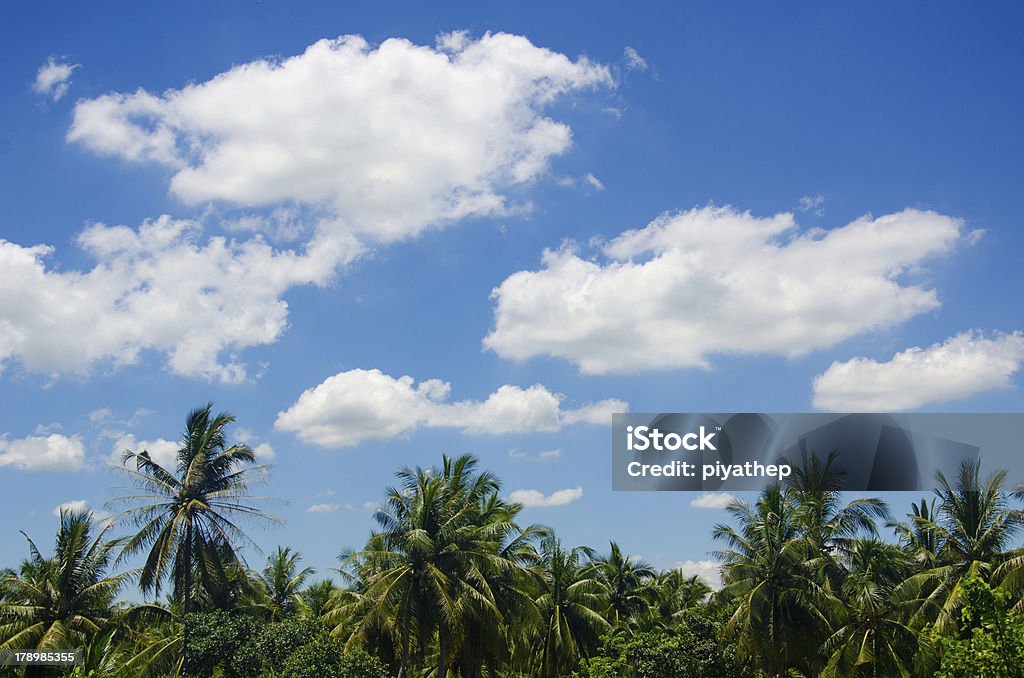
point(823, 206)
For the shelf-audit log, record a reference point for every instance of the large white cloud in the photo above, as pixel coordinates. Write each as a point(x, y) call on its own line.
point(391, 139)
point(360, 405)
point(537, 499)
point(717, 281)
point(158, 287)
point(53, 452)
point(961, 366)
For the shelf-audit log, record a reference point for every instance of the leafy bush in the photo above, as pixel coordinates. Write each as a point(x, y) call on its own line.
point(273, 644)
point(212, 639)
point(325, 657)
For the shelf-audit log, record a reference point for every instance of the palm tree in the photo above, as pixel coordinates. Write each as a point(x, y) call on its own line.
point(770, 574)
point(187, 516)
point(626, 584)
point(281, 582)
point(917, 537)
point(973, 529)
point(672, 593)
point(315, 599)
point(425, 573)
point(570, 602)
point(62, 601)
point(872, 637)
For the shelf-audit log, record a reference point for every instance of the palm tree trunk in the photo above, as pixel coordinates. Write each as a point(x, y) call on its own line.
point(187, 600)
point(442, 650)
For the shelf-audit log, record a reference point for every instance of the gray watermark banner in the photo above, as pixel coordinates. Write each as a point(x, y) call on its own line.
point(749, 451)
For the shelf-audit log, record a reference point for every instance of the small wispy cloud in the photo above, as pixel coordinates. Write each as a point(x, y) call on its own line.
point(634, 61)
point(813, 203)
point(537, 499)
point(713, 500)
point(323, 508)
point(54, 78)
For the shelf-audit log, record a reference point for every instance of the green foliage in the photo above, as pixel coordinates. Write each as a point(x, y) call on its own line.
point(992, 637)
point(213, 639)
point(325, 657)
point(691, 649)
point(267, 650)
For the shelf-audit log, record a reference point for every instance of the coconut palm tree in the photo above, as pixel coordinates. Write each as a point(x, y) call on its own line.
point(974, 529)
point(872, 636)
point(570, 602)
point(425, 572)
point(281, 582)
point(62, 601)
point(771, 577)
point(626, 582)
point(187, 516)
point(673, 592)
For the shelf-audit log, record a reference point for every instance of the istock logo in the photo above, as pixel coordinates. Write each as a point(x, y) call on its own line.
point(642, 438)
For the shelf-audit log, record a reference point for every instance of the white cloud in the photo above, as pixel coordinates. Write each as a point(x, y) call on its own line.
point(813, 202)
point(75, 506)
point(53, 452)
point(961, 366)
point(371, 506)
point(155, 288)
point(537, 499)
point(708, 570)
point(712, 500)
point(54, 78)
point(391, 140)
point(717, 281)
point(81, 506)
point(323, 508)
point(360, 405)
point(634, 61)
point(546, 455)
point(593, 182)
point(263, 452)
point(163, 452)
point(101, 415)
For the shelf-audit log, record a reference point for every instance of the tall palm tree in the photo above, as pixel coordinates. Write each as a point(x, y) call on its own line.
point(771, 576)
point(570, 602)
point(187, 516)
point(281, 582)
point(974, 529)
point(626, 583)
point(872, 636)
point(425, 572)
point(62, 601)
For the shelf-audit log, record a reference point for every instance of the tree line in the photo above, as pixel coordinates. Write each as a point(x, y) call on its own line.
point(451, 584)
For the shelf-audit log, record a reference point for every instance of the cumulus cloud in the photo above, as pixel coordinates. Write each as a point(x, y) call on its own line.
point(159, 287)
point(82, 506)
point(390, 139)
point(961, 366)
point(360, 405)
point(323, 508)
point(163, 452)
point(715, 280)
point(537, 499)
point(52, 452)
point(708, 570)
point(713, 500)
point(54, 78)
